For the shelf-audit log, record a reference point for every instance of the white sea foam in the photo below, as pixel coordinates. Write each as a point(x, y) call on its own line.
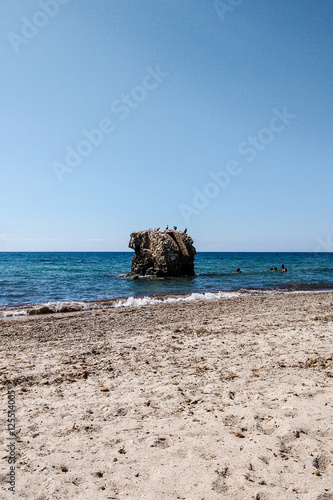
point(49, 308)
point(13, 313)
point(193, 297)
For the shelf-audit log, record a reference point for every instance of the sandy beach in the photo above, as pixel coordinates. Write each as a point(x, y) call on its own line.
point(229, 399)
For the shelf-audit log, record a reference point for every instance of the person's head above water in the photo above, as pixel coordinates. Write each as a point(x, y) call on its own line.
point(238, 270)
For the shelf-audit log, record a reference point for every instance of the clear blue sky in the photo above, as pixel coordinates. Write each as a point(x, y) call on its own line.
point(180, 90)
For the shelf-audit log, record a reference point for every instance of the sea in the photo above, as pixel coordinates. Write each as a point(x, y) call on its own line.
point(41, 282)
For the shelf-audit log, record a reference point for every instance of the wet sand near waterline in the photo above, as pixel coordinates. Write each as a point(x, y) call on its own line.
point(208, 400)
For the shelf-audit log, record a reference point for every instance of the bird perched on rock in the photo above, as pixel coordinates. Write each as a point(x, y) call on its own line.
point(175, 228)
point(185, 230)
point(158, 229)
point(167, 228)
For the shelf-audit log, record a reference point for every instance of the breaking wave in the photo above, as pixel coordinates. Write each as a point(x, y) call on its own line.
point(193, 297)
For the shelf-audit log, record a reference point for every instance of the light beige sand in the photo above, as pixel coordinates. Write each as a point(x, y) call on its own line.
point(222, 400)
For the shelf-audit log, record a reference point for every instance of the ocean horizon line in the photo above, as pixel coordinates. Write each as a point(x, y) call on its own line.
point(198, 251)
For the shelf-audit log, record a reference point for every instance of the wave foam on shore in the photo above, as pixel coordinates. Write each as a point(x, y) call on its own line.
point(193, 297)
point(48, 308)
point(62, 307)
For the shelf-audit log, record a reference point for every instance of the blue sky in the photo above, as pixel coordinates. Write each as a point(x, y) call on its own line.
point(118, 115)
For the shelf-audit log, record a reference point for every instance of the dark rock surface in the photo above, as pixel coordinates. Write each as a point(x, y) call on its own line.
point(162, 253)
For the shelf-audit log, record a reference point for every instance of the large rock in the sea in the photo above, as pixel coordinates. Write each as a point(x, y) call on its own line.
point(162, 253)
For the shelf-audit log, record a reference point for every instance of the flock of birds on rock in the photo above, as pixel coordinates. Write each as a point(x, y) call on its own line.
point(174, 227)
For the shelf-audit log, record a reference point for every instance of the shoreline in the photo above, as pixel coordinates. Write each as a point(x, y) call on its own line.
point(58, 307)
point(201, 401)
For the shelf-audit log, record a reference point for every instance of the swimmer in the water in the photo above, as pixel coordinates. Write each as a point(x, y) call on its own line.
point(284, 269)
point(238, 270)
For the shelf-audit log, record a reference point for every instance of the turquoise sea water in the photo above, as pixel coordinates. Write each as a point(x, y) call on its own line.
point(41, 277)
